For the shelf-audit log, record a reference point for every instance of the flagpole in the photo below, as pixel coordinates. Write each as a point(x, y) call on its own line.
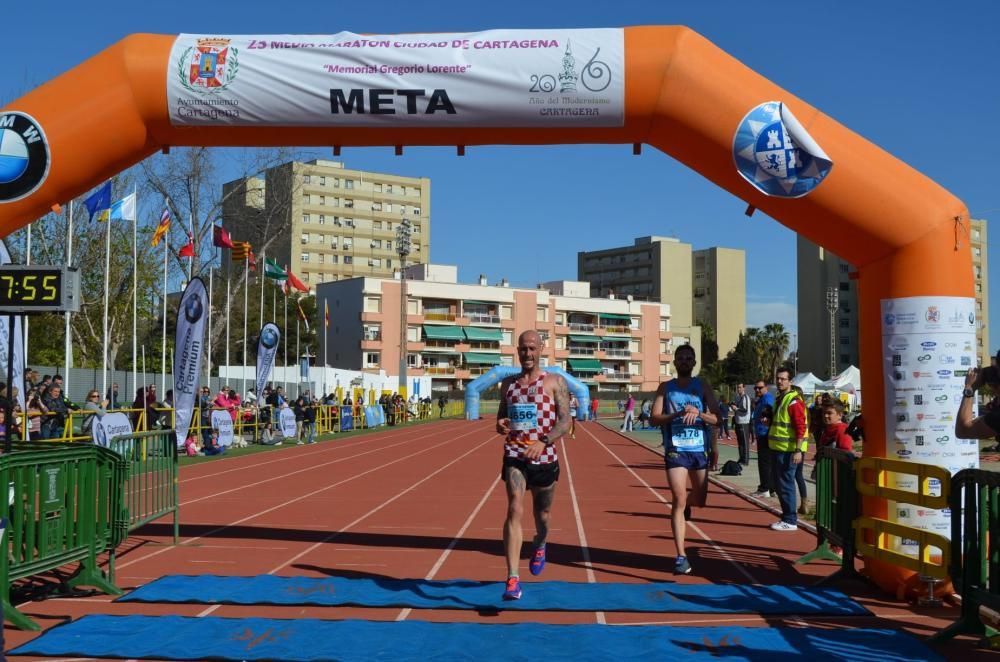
point(284, 332)
point(246, 314)
point(107, 280)
point(143, 366)
point(229, 271)
point(163, 339)
point(263, 263)
point(208, 361)
point(191, 258)
point(68, 351)
point(135, 294)
point(297, 340)
point(25, 318)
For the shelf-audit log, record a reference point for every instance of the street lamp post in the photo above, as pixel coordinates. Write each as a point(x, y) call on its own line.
point(404, 237)
point(832, 304)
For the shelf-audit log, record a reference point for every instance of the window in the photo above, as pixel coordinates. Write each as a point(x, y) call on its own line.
point(416, 211)
point(508, 337)
point(336, 182)
point(561, 319)
point(416, 228)
point(322, 200)
point(305, 218)
point(305, 276)
point(333, 241)
point(388, 264)
point(845, 358)
point(664, 324)
point(376, 225)
point(348, 183)
point(348, 259)
point(506, 313)
point(411, 307)
point(560, 342)
point(844, 268)
point(377, 206)
point(375, 262)
point(377, 243)
point(844, 287)
point(413, 334)
point(977, 251)
point(371, 359)
point(634, 369)
point(634, 323)
point(388, 206)
point(372, 331)
point(664, 368)
point(307, 179)
point(304, 257)
point(373, 304)
point(348, 243)
point(305, 237)
point(322, 181)
point(388, 245)
point(402, 190)
point(322, 219)
point(349, 222)
point(305, 198)
point(845, 323)
point(334, 259)
point(664, 348)
point(542, 314)
point(411, 360)
point(377, 187)
point(388, 188)
point(635, 346)
point(845, 340)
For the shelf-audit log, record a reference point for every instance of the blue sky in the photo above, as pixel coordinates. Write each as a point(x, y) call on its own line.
point(917, 78)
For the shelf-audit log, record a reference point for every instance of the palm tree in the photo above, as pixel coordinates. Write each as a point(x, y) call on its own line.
point(774, 343)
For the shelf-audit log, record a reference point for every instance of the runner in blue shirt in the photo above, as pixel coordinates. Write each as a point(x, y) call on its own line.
point(684, 408)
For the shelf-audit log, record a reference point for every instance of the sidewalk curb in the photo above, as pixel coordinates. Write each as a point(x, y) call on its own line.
point(811, 528)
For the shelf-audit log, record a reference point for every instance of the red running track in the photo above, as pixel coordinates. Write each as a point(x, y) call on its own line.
point(426, 502)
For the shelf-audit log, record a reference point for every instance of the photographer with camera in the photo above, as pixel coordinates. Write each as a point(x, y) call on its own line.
point(986, 426)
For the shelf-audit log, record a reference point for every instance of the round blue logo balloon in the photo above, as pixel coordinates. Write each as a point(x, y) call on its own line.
point(769, 153)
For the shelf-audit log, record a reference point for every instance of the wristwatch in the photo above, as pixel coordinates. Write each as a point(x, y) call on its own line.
point(545, 440)
point(968, 392)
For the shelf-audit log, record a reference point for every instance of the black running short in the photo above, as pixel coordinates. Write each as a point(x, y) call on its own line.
point(535, 475)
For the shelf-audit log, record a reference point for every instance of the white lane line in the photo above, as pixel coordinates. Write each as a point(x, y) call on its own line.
point(288, 502)
point(350, 444)
point(454, 541)
point(584, 547)
point(664, 501)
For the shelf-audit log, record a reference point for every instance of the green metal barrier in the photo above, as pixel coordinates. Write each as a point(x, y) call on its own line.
point(61, 508)
point(150, 489)
point(837, 506)
point(975, 550)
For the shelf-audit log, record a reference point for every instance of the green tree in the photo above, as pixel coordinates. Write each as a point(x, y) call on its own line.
point(774, 342)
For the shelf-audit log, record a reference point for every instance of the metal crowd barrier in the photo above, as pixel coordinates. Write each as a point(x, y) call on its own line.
point(837, 507)
point(975, 552)
point(149, 490)
point(63, 505)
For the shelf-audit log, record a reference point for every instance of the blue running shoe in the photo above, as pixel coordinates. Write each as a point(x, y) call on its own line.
point(513, 590)
point(537, 563)
point(681, 566)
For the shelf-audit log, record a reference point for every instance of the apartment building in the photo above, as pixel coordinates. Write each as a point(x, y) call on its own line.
point(700, 286)
point(329, 222)
point(455, 331)
point(827, 341)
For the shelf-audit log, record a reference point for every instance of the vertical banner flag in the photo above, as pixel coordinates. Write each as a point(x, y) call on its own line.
point(6, 334)
point(124, 209)
point(192, 315)
point(162, 228)
point(220, 237)
point(99, 203)
point(267, 347)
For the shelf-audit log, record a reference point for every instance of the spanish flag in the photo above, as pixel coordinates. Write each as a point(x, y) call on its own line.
point(162, 228)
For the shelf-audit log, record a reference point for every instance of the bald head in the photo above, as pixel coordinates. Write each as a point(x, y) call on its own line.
point(530, 336)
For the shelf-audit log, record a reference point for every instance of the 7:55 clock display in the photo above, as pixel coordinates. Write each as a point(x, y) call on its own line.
point(26, 289)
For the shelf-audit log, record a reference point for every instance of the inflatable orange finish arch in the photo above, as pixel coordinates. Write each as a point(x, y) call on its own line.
point(681, 94)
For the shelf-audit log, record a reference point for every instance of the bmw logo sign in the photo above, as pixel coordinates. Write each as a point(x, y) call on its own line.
point(268, 338)
point(193, 309)
point(24, 156)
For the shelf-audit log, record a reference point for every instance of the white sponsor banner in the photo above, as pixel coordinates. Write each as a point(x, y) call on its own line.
point(223, 423)
point(189, 344)
point(109, 427)
point(267, 347)
point(928, 347)
point(18, 362)
point(497, 78)
point(286, 419)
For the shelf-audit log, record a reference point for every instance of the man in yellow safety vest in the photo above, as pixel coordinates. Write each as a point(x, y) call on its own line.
point(787, 438)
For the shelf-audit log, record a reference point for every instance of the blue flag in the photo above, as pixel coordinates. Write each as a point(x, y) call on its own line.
point(99, 203)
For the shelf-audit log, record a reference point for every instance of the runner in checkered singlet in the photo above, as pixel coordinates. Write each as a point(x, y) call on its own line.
point(533, 415)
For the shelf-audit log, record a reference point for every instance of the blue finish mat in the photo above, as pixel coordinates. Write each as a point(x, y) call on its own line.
point(307, 640)
point(465, 594)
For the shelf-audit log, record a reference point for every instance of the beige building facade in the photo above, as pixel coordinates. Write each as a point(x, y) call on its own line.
point(456, 332)
point(332, 223)
point(701, 287)
point(819, 270)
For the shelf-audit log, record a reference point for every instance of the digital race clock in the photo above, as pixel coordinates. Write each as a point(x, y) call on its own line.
point(38, 289)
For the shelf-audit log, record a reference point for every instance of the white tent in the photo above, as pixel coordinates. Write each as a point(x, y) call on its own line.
point(806, 381)
point(848, 381)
